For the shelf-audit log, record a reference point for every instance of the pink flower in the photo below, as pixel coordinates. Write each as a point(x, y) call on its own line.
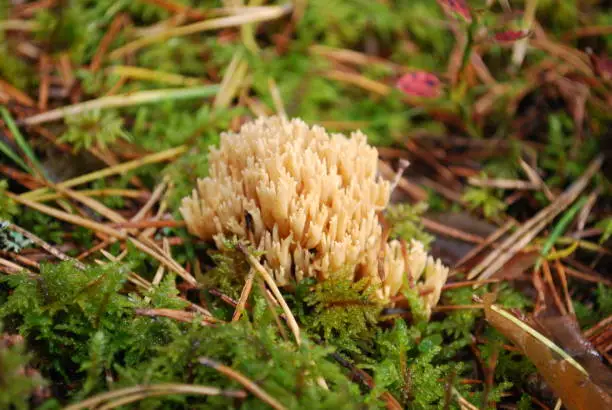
point(419, 84)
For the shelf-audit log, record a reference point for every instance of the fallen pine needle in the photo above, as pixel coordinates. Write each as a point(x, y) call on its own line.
point(245, 381)
point(277, 294)
point(114, 170)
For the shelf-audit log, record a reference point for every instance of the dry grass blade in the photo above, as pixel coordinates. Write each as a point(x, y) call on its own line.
point(105, 192)
point(125, 100)
point(245, 381)
point(488, 241)
point(233, 78)
point(293, 325)
point(165, 260)
point(503, 183)
point(153, 389)
point(530, 229)
point(146, 74)
point(66, 217)
point(114, 170)
point(180, 315)
point(261, 14)
point(244, 296)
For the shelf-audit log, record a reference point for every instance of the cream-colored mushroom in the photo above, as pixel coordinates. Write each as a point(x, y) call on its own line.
point(310, 200)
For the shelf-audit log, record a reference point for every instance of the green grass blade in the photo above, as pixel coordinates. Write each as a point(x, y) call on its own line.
point(6, 150)
point(560, 228)
point(20, 140)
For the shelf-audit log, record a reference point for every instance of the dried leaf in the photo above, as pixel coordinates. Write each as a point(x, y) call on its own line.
point(420, 84)
point(565, 331)
point(569, 380)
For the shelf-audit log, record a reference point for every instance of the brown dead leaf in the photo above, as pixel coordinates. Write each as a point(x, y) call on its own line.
point(570, 381)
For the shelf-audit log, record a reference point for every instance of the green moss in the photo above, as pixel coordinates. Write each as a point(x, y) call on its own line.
point(94, 129)
point(405, 222)
point(343, 311)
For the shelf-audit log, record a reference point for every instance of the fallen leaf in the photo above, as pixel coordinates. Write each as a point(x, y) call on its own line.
point(565, 332)
point(569, 380)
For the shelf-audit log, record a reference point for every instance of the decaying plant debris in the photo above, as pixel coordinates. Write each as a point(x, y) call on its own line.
point(117, 293)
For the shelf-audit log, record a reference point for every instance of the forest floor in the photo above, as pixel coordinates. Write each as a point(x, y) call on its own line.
point(107, 112)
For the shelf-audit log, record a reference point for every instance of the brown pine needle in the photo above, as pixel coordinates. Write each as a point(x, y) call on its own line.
point(105, 192)
point(245, 381)
point(165, 260)
point(66, 217)
point(488, 241)
point(244, 296)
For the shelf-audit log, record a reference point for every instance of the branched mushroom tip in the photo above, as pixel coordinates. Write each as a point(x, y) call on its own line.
point(309, 200)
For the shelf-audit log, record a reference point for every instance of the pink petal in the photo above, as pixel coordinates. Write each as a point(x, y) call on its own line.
point(419, 84)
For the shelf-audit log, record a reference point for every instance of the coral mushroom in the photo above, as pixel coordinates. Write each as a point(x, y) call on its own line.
point(310, 201)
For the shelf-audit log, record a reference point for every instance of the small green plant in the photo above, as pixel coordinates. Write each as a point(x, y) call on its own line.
point(405, 222)
point(486, 200)
point(94, 129)
point(12, 241)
